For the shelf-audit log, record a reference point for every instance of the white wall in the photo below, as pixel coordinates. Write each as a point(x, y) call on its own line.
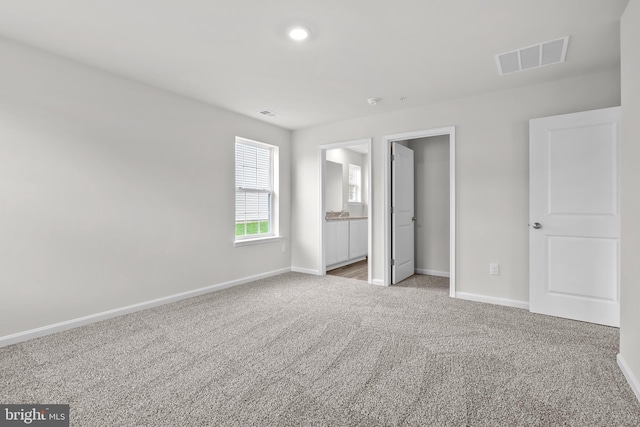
point(431, 158)
point(492, 175)
point(114, 193)
point(630, 243)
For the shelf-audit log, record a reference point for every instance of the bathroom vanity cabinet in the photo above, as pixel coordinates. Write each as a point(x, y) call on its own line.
point(346, 241)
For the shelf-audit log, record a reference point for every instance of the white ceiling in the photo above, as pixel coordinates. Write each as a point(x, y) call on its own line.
point(235, 54)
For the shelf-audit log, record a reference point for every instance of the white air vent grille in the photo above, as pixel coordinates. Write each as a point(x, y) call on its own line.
point(530, 57)
point(269, 113)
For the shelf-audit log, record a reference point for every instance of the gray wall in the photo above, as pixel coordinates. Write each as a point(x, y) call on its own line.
point(630, 244)
point(114, 193)
point(492, 133)
point(431, 160)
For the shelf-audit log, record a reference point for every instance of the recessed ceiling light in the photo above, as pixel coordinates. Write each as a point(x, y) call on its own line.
point(299, 33)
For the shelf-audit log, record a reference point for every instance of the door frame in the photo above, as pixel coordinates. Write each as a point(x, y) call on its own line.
point(387, 140)
point(322, 157)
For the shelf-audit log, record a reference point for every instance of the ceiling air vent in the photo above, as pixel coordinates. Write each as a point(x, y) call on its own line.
point(528, 58)
point(269, 113)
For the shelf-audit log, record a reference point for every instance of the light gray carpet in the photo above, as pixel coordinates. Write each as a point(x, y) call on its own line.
point(300, 350)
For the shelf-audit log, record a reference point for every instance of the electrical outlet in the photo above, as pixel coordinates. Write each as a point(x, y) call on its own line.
point(494, 269)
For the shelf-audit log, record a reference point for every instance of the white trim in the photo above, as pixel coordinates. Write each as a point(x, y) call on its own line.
point(346, 144)
point(378, 282)
point(93, 318)
point(370, 209)
point(322, 172)
point(322, 157)
point(631, 379)
point(255, 143)
point(493, 300)
point(387, 140)
point(433, 272)
point(306, 271)
point(260, 240)
point(452, 211)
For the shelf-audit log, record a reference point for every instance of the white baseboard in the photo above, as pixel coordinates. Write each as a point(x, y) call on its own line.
point(306, 271)
point(93, 318)
point(433, 272)
point(377, 282)
point(631, 379)
point(493, 300)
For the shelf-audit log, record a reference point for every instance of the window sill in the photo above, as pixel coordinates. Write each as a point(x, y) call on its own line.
point(258, 241)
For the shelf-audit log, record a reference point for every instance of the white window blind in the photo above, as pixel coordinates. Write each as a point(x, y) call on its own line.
point(254, 189)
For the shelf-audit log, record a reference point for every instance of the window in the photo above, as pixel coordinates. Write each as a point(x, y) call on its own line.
point(255, 189)
point(354, 184)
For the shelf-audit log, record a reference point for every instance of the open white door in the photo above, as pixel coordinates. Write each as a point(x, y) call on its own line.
point(575, 216)
point(402, 213)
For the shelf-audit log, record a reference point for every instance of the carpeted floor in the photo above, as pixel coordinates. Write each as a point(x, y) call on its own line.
point(327, 351)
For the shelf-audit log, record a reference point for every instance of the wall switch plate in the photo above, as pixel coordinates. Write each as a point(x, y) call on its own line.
point(494, 269)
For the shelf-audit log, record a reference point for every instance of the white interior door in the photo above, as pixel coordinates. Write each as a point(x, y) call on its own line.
point(575, 216)
point(402, 213)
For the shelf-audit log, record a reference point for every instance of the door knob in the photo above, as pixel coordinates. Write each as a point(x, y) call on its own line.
point(537, 225)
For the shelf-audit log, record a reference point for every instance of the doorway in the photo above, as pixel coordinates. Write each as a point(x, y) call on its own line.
point(345, 219)
point(408, 139)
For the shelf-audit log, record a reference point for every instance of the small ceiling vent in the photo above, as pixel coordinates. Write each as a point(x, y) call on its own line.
point(269, 113)
point(528, 58)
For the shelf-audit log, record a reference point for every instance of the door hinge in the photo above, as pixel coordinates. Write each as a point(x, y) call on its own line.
point(393, 210)
point(393, 262)
point(393, 157)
